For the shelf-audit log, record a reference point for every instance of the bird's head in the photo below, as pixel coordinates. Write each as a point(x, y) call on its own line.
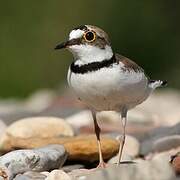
point(88, 43)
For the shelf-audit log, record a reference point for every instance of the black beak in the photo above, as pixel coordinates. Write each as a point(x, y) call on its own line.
point(61, 46)
point(68, 43)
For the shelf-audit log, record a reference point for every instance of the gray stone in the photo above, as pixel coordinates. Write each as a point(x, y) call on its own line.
point(80, 174)
point(156, 170)
point(58, 175)
point(131, 146)
point(30, 176)
point(166, 143)
point(149, 139)
point(40, 159)
point(69, 168)
point(166, 156)
point(124, 158)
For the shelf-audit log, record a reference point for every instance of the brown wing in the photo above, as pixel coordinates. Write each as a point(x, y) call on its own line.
point(129, 65)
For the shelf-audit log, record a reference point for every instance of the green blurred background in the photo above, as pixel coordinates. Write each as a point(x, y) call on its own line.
point(146, 31)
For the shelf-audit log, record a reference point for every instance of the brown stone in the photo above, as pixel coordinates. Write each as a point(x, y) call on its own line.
point(3, 174)
point(175, 161)
point(81, 148)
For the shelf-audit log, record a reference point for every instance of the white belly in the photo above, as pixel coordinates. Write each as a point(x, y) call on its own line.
point(110, 88)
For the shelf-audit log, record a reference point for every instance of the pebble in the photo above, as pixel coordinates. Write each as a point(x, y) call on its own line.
point(166, 143)
point(3, 173)
point(159, 138)
point(165, 155)
point(79, 148)
point(41, 159)
point(35, 127)
point(124, 158)
point(30, 175)
point(156, 170)
point(131, 146)
point(46, 173)
point(134, 129)
point(84, 118)
point(175, 161)
point(39, 100)
point(84, 148)
point(160, 156)
point(58, 175)
point(39, 127)
point(163, 106)
point(80, 174)
point(69, 168)
point(80, 119)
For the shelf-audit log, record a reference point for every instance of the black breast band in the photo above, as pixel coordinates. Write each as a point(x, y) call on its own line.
point(94, 66)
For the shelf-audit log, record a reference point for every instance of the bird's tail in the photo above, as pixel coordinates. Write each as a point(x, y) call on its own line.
point(157, 83)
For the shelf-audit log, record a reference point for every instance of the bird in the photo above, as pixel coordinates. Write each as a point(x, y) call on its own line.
point(105, 80)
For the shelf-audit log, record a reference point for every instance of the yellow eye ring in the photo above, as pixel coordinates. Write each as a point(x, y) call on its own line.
point(89, 36)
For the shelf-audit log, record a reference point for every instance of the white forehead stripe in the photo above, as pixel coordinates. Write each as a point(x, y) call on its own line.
point(76, 34)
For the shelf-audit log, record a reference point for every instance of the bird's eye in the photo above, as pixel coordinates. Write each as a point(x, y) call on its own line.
point(90, 36)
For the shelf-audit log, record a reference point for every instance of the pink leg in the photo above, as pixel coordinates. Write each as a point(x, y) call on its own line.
point(97, 129)
point(121, 146)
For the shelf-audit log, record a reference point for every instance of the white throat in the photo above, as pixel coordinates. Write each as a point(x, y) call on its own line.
point(87, 53)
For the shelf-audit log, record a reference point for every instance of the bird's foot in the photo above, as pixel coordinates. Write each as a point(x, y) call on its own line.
point(102, 165)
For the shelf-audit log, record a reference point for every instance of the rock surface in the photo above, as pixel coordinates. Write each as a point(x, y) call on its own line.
point(149, 126)
point(3, 173)
point(165, 156)
point(85, 148)
point(156, 170)
point(39, 100)
point(124, 158)
point(131, 146)
point(80, 174)
point(69, 168)
point(39, 127)
point(30, 175)
point(58, 175)
point(84, 118)
point(163, 106)
point(175, 161)
point(159, 137)
point(80, 119)
point(41, 159)
point(82, 148)
point(166, 143)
